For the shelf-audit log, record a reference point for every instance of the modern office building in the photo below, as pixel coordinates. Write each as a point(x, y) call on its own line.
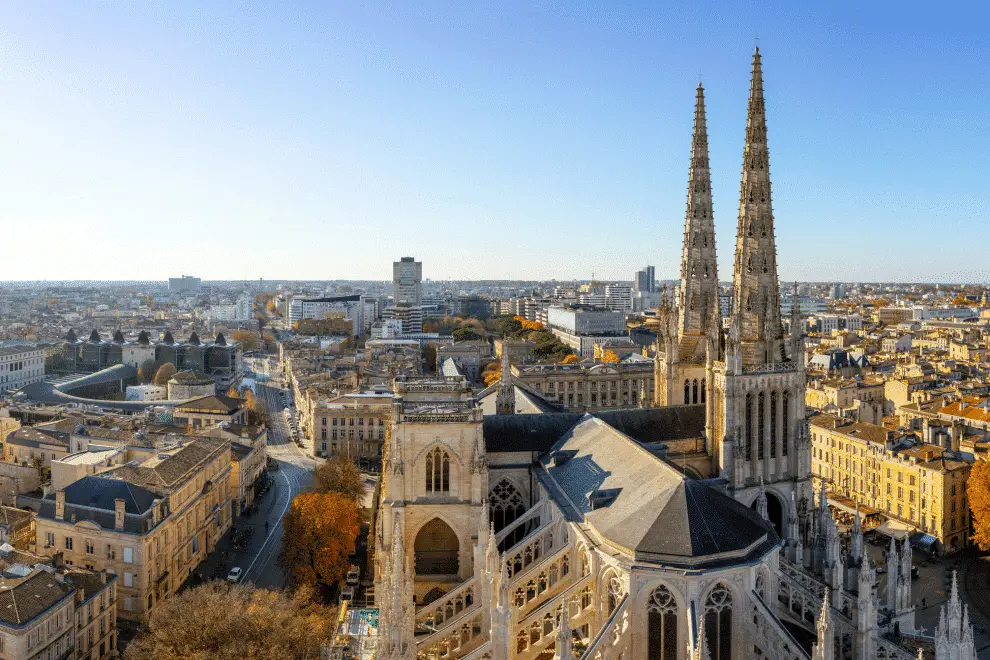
point(645, 280)
point(20, 366)
point(183, 285)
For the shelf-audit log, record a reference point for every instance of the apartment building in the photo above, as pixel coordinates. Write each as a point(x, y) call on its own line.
point(51, 610)
point(151, 523)
point(352, 425)
point(20, 366)
point(918, 484)
point(590, 387)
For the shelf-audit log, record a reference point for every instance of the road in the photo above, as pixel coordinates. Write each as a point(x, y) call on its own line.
point(259, 556)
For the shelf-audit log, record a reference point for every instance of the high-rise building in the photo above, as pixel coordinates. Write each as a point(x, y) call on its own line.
point(407, 293)
point(183, 285)
point(645, 280)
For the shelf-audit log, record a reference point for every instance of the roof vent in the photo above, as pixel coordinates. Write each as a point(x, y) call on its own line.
point(561, 456)
point(600, 499)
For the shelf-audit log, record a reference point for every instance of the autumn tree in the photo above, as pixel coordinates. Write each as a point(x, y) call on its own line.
point(978, 494)
point(164, 373)
point(320, 530)
point(610, 357)
point(247, 339)
point(146, 372)
point(569, 359)
point(339, 475)
point(221, 621)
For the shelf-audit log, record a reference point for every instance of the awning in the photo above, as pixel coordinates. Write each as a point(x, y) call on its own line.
point(893, 528)
point(923, 540)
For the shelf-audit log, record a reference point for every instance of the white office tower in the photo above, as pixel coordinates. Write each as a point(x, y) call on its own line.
point(407, 282)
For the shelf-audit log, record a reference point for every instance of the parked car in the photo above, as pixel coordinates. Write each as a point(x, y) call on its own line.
point(235, 574)
point(347, 593)
point(353, 575)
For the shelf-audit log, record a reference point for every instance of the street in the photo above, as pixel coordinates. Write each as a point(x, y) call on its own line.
point(259, 555)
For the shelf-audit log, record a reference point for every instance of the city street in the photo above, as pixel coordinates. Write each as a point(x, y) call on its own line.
point(258, 557)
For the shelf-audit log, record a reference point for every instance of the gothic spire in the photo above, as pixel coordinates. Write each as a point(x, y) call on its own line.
point(756, 290)
point(505, 398)
point(824, 649)
point(699, 273)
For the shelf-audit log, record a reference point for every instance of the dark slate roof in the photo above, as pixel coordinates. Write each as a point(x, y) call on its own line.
point(118, 337)
point(538, 433)
point(94, 336)
point(168, 338)
point(100, 493)
point(658, 513)
point(27, 436)
point(194, 339)
point(70, 335)
point(220, 340)
point(143, 338)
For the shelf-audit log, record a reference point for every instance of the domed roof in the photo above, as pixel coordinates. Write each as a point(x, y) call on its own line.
point(168, 339)
point(94, 336)
point(143, 338)
point(220, 340)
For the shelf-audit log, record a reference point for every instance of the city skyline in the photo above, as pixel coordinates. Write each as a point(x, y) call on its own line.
point(564, 134)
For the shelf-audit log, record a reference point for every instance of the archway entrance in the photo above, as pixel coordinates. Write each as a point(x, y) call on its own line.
point(436, 549)
point(775, 511)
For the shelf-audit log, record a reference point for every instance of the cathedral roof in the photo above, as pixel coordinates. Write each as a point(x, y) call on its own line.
point(539, 433)
point(641, 504)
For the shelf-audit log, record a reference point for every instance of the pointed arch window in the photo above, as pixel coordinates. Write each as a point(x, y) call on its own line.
point(694, 391)
point(614, 594)
point(749, 427)
point(687, 392)
point(662, 625)
point(506, 504)
point(437, 471)
point(760, 418)
point(718, 623)
point(773, 424)
point(703, 388)
point(785, 423)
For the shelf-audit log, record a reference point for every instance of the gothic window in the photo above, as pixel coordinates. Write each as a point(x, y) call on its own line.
point(749, 427)
point(506, 504)
point(694, 239)
point(765, 269)
point(718, 623)
point(614, 595)
point(694, 390)
point(749, 259)
point(761, 586)
point(703, 387)
point(687, 392)
point(749, 302)
point(706, 271)
point(773, 424)
point(694, 271)
point(784, 415)
point(760, 417)
point(437, 471)
point(662, 625)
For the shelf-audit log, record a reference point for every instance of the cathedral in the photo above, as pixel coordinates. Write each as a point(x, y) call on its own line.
point(683, 531)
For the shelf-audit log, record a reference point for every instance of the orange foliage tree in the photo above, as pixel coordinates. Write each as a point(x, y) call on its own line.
point(978, 493)
point(570, 359)
point(610, 357)
point(320, 530)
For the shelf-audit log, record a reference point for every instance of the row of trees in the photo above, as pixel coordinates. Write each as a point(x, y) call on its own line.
point(156, 373)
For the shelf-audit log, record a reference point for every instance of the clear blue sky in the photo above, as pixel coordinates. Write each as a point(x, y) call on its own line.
point(528, 139)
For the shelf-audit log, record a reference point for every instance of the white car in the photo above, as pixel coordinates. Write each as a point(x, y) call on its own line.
point(235, 574)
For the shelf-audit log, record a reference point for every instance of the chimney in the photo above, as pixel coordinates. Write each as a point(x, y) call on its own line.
point(60, 505)
point(118, 510)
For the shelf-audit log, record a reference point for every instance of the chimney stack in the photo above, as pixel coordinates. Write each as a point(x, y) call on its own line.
point(118, 509)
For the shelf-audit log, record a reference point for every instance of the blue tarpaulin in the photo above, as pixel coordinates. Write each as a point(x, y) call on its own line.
point(922, 539)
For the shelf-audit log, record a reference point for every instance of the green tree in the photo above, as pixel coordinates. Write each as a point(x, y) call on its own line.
point(466, 334)
point(430, 357)
point(220, 621)
point(146, 372)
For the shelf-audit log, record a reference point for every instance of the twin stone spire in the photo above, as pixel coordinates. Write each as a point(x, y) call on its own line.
point(755, 311)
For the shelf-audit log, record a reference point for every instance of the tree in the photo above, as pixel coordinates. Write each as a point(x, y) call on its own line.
point(430, 357)
point(466, 334)
point(569, 359)
point(493, 377)
point(338, 475)
point(247, 339)
point(147, 371)
point(268, 337)
point(610, 357)
point(164, 373)
point(320, 530)
point(221, 621)
point(978, 494)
